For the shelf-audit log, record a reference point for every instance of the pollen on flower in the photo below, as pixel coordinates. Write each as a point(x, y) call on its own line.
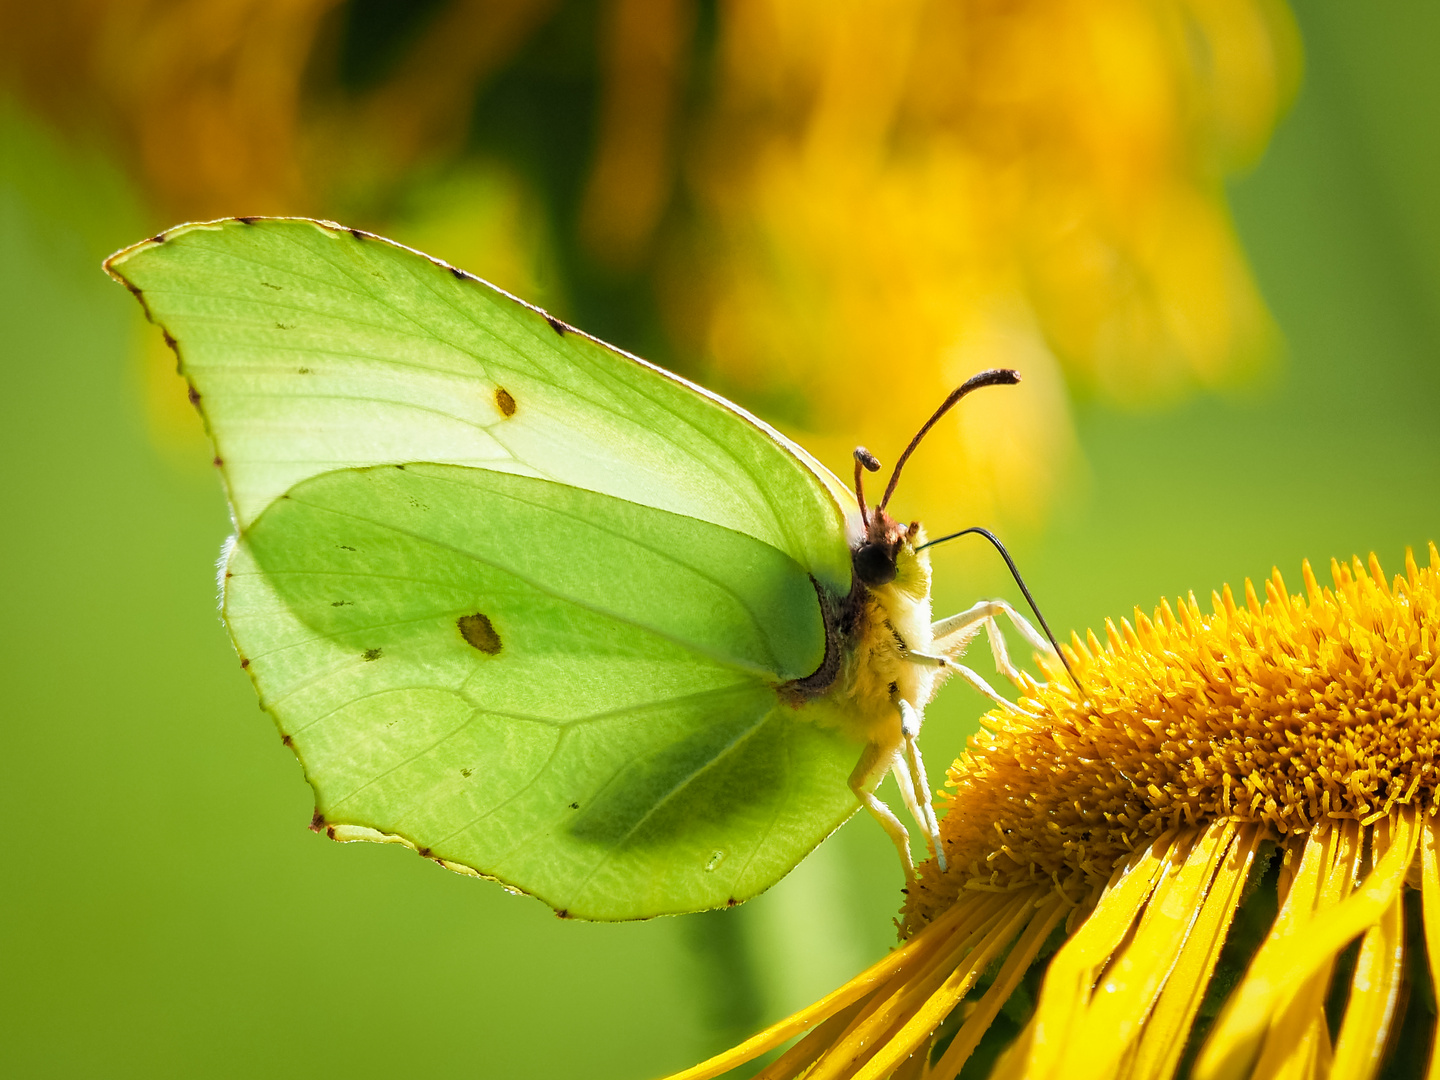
point(1284, 713)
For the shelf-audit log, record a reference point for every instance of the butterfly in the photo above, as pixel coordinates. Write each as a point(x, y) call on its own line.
point(542, 611)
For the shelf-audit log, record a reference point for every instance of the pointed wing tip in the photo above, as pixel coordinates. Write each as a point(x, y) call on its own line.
point(112, 262)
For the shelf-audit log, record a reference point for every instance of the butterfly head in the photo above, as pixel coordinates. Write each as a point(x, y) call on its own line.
point(887, 548)
point(885, 544)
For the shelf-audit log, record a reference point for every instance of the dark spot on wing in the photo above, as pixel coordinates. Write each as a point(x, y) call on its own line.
point(357, 234)
point(193, 394)
point(267, 284)
point(302, 371)
point(285, 739)
point(317, 823)
point(458, 272)
point(244, 662)
point(247, 220)
point(731, 902)
point(478, 631)
point(344, 547)
point(158, 238)
point(894, 688)
point(423, 852)
point(556, 325)
point(341, 603)
point(574, 806)
point(400, 467)
point(562, 913)
point(218, 462)
point(467, 773)
point(284, 326)
point(372, 654)
point(168, 339)
point(504, 402)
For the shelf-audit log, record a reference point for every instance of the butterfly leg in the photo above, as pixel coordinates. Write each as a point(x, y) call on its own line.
point(974, 681)
point(914, 786)
point(874, 763)
point(955, 632)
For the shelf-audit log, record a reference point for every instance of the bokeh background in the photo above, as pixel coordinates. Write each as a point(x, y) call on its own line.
point(1206, 230)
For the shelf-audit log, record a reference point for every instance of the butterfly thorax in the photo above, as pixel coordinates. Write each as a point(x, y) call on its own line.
point(870, 632)
point(894, 619)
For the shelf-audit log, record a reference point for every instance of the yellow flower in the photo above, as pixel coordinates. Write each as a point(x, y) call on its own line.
point(1267, 757)
point(897, 195)
point(842, 210)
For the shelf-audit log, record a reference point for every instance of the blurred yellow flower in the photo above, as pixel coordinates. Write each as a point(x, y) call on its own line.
point(233, 107)
point(1139, 818)
point(895, 196)
point(841, 211)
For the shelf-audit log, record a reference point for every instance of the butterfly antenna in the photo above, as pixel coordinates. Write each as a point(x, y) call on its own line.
point(871, 464)
point(1015, 573)
point(993, 377)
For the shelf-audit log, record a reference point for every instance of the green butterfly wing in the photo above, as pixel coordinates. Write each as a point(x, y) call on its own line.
point(554, 659)
point(312, 348)
point(576, 697)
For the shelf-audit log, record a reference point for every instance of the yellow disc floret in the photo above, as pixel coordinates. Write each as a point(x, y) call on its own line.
point(1299, 710)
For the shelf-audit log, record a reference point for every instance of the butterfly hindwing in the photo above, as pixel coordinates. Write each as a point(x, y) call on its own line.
point(563, 690)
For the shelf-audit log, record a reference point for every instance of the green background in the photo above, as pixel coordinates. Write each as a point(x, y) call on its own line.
point(163, 909)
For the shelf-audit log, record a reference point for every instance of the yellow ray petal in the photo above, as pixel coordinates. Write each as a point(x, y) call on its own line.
point(906, 958)
point(1285, 960)
point(1375, 986)
point(1374, 991)
point(1300, 887)
point(1133, 981)
point(1158, 1053)
point(932, 1013)
point(1071, 977)
point(1297, 1045)
point(808, 1050)
point(1430, 902)
point(1009, 976)
point(889, 1013)
point(1298, 1040)
point(1309, 1056)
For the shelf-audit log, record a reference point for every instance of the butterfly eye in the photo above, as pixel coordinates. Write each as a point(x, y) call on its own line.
point(874, 564)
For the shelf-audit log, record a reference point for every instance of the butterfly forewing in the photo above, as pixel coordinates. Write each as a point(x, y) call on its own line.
point(311, 347)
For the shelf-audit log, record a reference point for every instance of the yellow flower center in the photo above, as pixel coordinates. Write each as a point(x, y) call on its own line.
point(1286, 714)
